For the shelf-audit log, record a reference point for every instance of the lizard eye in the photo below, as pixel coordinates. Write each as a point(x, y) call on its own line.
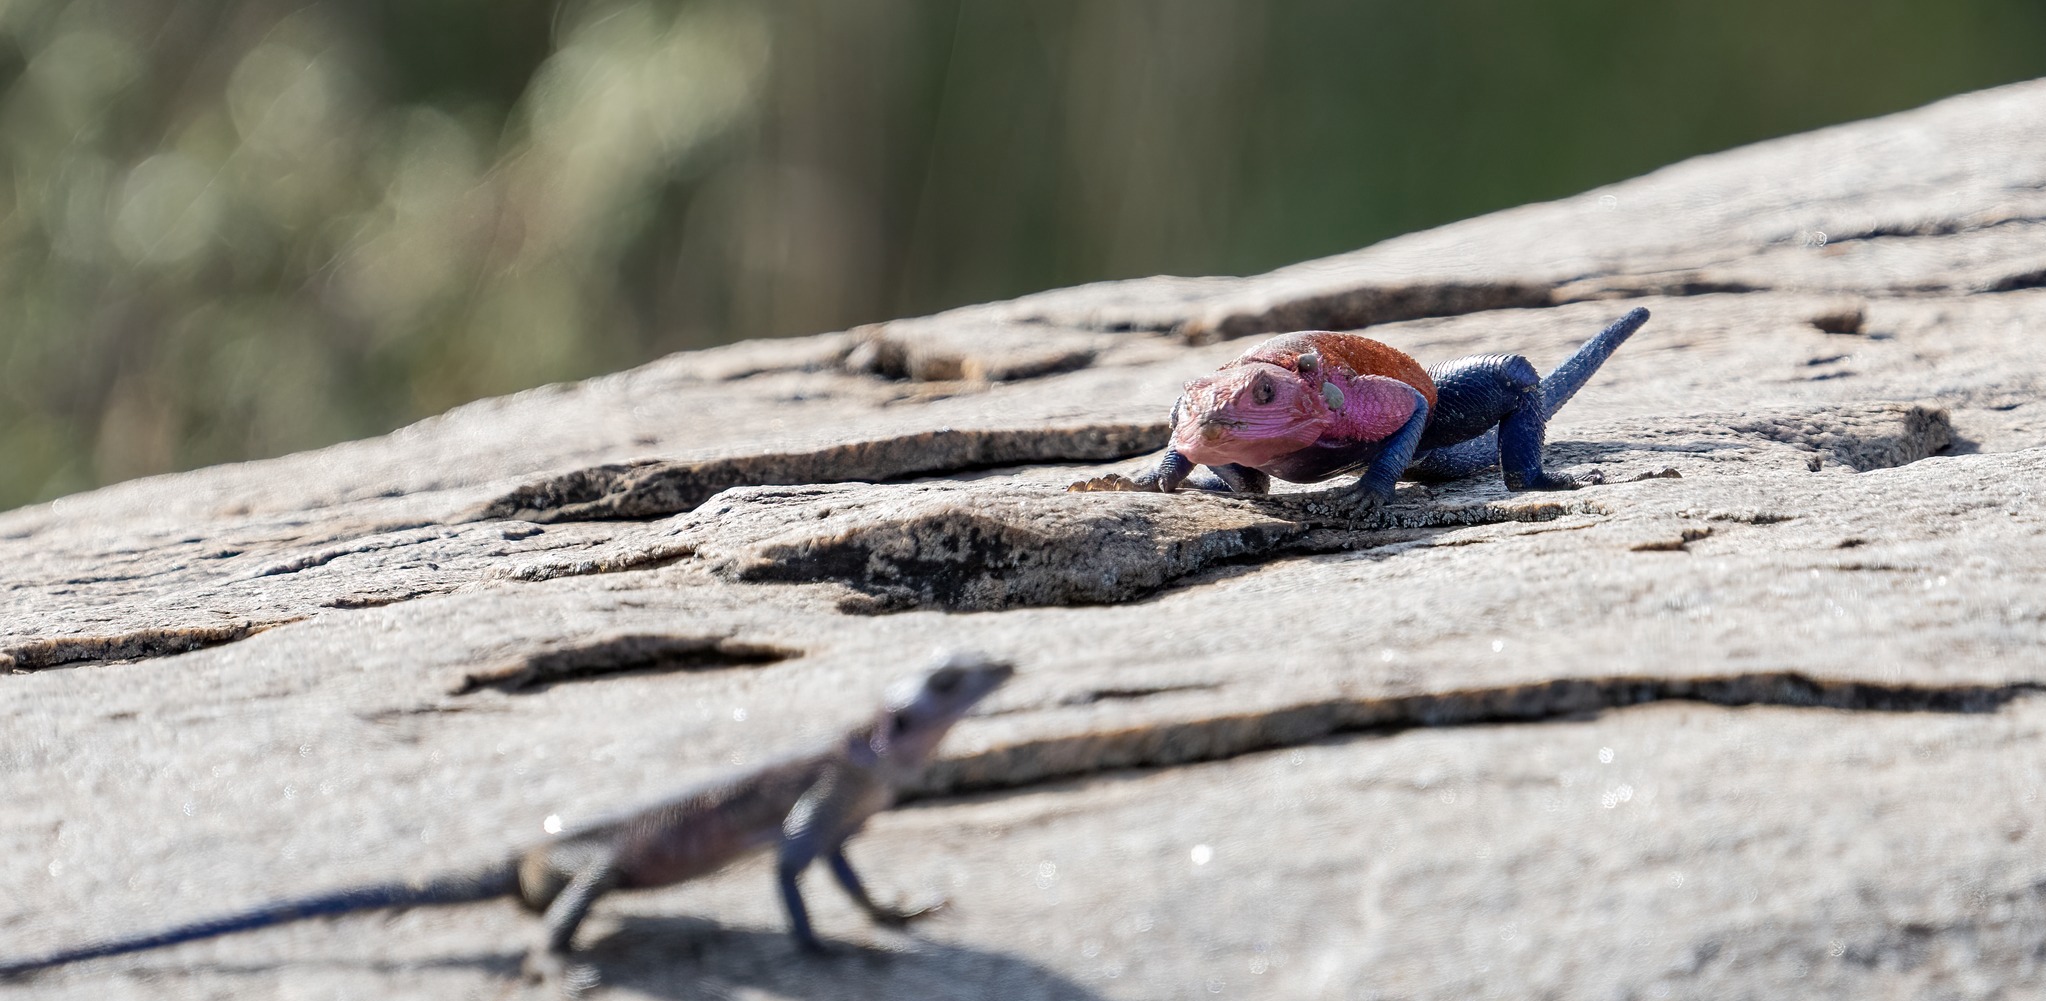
point(1261, 391)
point(942, 682)
point(898, 726)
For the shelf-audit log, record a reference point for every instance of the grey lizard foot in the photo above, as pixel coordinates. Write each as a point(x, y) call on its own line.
point(545, 966)
point(892, 917)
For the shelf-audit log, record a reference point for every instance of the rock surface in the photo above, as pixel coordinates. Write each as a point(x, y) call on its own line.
point(1786, 664)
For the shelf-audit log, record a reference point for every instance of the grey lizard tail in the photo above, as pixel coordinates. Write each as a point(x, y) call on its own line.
point(1562, 384)
point(484, 884)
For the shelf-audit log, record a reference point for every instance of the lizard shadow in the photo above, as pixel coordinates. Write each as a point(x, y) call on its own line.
point(1571, 451)
point(688, 958)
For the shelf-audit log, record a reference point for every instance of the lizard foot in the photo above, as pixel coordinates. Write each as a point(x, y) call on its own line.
point(891, 917)
point(1355, 504)
point(577, 980)
point(1552, 481)
point(1111, 482)
point(545, 966)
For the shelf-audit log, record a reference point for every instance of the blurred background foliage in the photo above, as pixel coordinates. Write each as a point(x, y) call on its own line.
point(235, 228)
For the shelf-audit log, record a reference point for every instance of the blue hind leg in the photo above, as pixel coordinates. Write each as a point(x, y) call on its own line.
point(1520, 448)
point(1492, 409)
point(1474, 395)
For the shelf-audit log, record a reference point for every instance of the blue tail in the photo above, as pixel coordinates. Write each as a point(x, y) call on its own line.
point(1569, 377)
point(497, 881)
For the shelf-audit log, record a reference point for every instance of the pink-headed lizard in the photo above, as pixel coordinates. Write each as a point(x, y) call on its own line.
point(1308, 406)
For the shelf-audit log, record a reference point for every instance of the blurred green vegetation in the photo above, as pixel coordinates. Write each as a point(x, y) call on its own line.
point(234, 228)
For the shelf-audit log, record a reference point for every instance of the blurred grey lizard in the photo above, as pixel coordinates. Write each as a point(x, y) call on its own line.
point(805, 807)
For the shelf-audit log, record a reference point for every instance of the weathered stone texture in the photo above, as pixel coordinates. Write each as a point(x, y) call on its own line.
point(1758, 718)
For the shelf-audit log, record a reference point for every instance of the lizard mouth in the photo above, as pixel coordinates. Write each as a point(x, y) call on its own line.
point(1220, 441)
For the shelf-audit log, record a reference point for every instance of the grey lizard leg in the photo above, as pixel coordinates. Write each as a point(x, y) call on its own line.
point(566, 914)
point(792, 901)
point(825, 815)
point(841, 867)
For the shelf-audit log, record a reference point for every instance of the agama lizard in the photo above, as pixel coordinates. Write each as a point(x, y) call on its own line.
point(806, 807)
point(1308, 406)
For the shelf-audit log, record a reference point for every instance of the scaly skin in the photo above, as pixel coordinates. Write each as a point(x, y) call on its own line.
point(1308, 406)
point(805, 807)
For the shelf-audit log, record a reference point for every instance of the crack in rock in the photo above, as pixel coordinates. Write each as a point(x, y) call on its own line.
point(1622, 285)
point(1860, 436)
point(952, 349)
point(1865, 437)
point(67, 651)
point(1033, 762)
point(2001, 932)
point(965, 547)
point(655, 488)
point(1366, 305)
point(370, 544)
point(630, 654)
point(2018, 282)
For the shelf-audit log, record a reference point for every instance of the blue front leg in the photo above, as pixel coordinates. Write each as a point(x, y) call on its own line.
point(1379, 479)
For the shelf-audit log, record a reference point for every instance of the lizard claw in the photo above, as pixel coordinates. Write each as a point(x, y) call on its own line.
point(1111, 482)
point(1356, 502)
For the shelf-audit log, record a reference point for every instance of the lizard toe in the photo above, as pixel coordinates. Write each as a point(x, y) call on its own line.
point(1545, 481)
point(1109, 482)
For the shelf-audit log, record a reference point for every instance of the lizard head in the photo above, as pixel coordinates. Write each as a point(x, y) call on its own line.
point(919, 710)
point(1250, 413)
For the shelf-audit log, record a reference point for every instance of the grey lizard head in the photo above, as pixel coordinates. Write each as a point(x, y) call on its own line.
point(919, 710)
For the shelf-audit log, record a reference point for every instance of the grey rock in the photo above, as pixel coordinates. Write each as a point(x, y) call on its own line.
point(1759, 717)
